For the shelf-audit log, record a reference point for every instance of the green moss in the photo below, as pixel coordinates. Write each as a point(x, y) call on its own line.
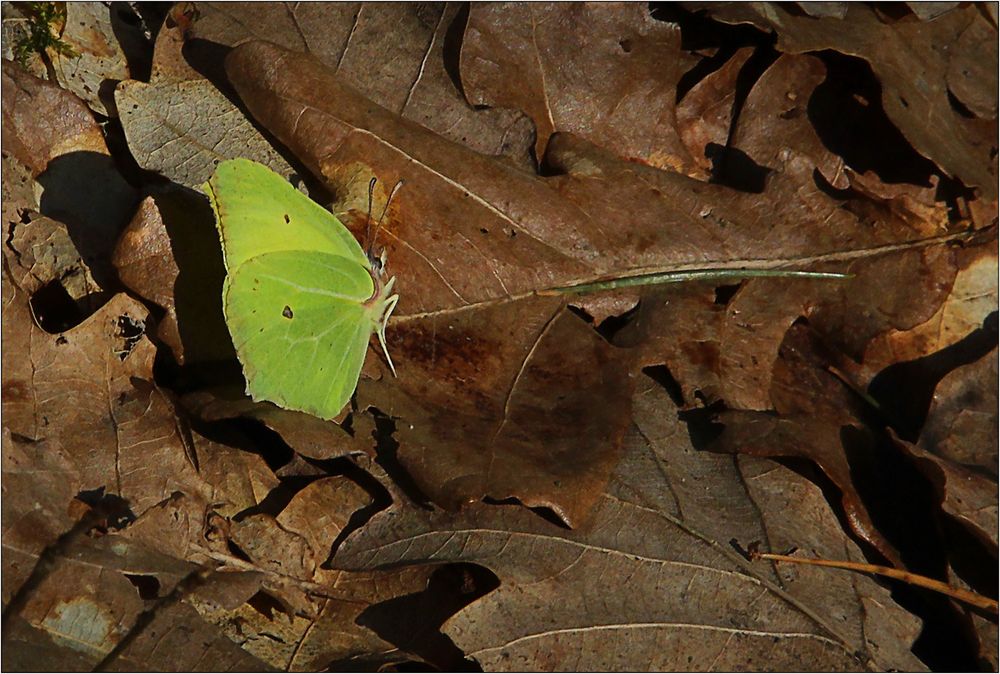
point(45, 22)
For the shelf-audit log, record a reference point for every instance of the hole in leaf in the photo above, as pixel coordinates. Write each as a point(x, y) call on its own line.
point(148, 586)
point(661, 375)
point(54, 309)
point(723, 294)
point(130, 330)
point(735, 168)
point(612, 325)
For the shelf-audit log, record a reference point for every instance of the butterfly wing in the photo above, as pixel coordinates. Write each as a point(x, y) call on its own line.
point(257, 212)
point(301, 328)
point(296, 293)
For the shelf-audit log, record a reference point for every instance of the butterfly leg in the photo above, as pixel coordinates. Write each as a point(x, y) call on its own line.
point(390, 304)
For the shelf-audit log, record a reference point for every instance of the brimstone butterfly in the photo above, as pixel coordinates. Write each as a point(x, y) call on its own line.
point(301, 297)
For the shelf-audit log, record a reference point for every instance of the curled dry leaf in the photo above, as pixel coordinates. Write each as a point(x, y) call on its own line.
point(967, 308)
point(146, 265)
point(41, 121)
point(418, 81)
point(307, 435)
point(912, 60)
point(814, 409)
point(705, 114)
point(52, 132)
point(774, 120)
point(963, 415)
point(169, 255)
point(965, 494)
point(604, 72)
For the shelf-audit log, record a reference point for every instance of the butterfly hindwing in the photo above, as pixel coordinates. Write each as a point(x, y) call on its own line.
point(301, 328)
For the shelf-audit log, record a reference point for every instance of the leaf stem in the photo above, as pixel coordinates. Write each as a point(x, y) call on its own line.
point(958, 593)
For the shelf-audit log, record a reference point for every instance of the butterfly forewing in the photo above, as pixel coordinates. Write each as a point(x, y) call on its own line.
point(259, 212)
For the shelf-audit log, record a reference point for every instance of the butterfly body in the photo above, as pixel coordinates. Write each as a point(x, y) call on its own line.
point(301, 297)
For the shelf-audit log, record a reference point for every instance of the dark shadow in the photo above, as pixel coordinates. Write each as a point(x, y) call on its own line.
point(85, 191)
point(699, 31)
point(972, 558)
point(546, 513)
point(129, 26)
point(612, 325)
point(847, 114)
point(55, 311)
point(736, 169)
point(249, 435)
point(278, 498)
point(413, 622)
point(387, 456)
point(702, 424)
point(662, 375)
point(194, 243)
point(148, 587)
point(725, 293)
point(905, 390)
point(381, 499)
point(452, 48)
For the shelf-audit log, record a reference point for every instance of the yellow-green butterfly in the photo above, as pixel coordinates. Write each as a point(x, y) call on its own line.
point(301, 297)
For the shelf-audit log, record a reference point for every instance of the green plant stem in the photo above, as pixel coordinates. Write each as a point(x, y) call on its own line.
point(660, 278)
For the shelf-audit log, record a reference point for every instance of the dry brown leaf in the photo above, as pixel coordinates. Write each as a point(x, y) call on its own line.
point(705, 113)
point(605, 72)
point(397, 54)
point(41, 121)
point(98, 56)
point(966, 308)
point(961, 422)
point(183, 129)
point(92, 598)
point(817, 418)
point(307, 435)
point(774, 121)
point(307, 617)
point(912, 60)
point(52, 132)
point(965, 494)
point(169, 255)
point(659, 537)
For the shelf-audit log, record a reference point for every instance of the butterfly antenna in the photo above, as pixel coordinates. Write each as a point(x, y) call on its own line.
point(371, 241)
point(368, 227)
